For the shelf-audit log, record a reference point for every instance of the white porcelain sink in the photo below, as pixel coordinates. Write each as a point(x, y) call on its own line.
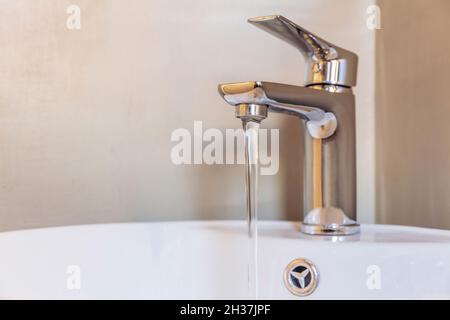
point(208, 260)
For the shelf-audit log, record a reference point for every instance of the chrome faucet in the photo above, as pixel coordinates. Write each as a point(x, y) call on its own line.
point(327, 105)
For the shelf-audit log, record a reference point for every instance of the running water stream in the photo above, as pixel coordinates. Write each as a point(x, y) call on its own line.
point(251, 131)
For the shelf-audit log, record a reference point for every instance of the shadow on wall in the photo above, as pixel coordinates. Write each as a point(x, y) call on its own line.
point(412, 111)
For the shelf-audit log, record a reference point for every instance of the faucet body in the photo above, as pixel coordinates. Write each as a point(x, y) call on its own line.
point(327, 105)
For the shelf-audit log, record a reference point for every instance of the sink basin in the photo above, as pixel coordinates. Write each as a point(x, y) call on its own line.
point(208, 260)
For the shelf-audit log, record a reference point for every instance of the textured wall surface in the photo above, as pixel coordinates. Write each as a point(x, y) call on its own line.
point(86, 115)
point(412, 113)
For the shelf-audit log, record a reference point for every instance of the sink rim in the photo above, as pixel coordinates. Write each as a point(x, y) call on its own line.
point(370, 233)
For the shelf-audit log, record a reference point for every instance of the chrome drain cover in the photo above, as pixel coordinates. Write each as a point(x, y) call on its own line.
point(301, 277)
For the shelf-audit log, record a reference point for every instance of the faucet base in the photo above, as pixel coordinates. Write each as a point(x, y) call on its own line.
point(330, 230)
point(330, 222)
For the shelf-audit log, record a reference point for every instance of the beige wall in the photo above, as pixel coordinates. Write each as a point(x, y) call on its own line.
point(86, 115)
point(412, 113)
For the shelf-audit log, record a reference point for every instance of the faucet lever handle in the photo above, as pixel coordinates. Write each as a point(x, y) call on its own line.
point(327, 63)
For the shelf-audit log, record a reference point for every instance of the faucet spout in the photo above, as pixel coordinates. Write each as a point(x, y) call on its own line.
point(280, 98)
point(306, 103)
